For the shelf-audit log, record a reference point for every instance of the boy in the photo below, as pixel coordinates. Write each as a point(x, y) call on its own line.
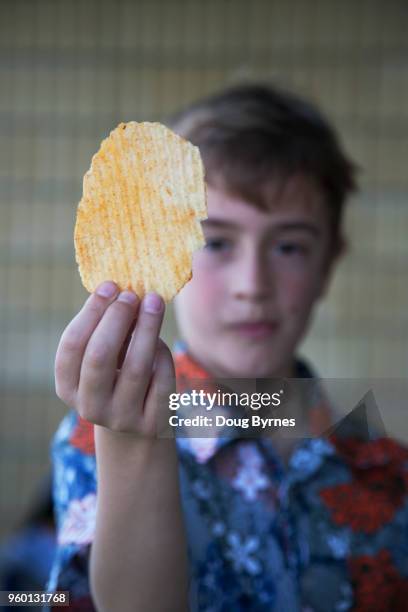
point(267, 527)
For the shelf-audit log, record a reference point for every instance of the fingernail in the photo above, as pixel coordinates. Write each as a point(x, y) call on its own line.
point(127, 296)
point(107, 289)
point(152, 303)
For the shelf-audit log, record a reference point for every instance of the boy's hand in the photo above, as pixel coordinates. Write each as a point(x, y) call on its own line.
point(112, 327)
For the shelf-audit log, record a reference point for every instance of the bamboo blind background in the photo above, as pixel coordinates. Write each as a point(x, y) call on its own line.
point(71, 70)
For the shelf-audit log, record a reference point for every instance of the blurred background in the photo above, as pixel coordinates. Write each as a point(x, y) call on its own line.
point(71, 70)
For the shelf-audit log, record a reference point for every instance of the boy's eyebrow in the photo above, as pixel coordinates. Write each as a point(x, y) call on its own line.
point(283, 226)
point(220, 223)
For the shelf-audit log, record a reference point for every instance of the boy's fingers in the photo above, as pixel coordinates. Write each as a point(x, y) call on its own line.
point(75, 338)
point(99, 364)
point(125, 345)
point(162, 384)
point(136, 369)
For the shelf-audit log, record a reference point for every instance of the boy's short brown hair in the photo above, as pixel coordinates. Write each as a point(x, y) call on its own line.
point(251, 135)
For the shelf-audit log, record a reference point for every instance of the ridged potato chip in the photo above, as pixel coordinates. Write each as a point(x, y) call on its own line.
point(138, 222)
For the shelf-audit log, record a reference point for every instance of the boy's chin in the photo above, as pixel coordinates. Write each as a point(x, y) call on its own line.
point(240, 368)
point(255, 360)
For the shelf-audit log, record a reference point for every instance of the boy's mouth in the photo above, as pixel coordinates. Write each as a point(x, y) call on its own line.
point(255, 329)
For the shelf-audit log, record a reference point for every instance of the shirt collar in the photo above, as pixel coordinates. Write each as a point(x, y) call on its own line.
point(188, 371)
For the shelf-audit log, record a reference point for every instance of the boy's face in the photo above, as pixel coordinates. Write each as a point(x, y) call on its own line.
point(256, 281)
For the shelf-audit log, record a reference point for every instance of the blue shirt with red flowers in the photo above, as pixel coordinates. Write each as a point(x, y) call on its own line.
point(326, 532)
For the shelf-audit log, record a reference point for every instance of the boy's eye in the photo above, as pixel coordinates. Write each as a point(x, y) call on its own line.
point(217, 244)
point(292, 249)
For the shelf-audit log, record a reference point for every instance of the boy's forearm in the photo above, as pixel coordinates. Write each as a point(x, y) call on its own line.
point(139, 555)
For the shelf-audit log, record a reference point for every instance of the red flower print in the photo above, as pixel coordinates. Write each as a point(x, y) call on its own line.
point(378, 587)
point(83, 436)
point(378, 487)
point(359, 507)
point(370, 453)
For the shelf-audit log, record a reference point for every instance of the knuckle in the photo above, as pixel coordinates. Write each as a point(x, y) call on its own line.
point(70, 343)
point(90, 413)
point(137, 372)
point(95, 305)
point(62, 392)
point(96, 357)
point(71, 338)
point(120, 422)
point(117, 425)
point(62, 389)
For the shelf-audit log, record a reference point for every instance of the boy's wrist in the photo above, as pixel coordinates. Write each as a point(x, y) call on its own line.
point(125, 446)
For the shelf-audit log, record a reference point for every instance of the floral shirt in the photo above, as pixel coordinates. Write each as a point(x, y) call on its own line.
point(328, 532)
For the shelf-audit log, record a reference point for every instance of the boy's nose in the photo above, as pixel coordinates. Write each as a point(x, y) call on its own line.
point(252, 279)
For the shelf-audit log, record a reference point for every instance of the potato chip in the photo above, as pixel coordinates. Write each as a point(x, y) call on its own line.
point(138, 222)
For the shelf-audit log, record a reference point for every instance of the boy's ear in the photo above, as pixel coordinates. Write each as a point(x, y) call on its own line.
point(337, 252)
